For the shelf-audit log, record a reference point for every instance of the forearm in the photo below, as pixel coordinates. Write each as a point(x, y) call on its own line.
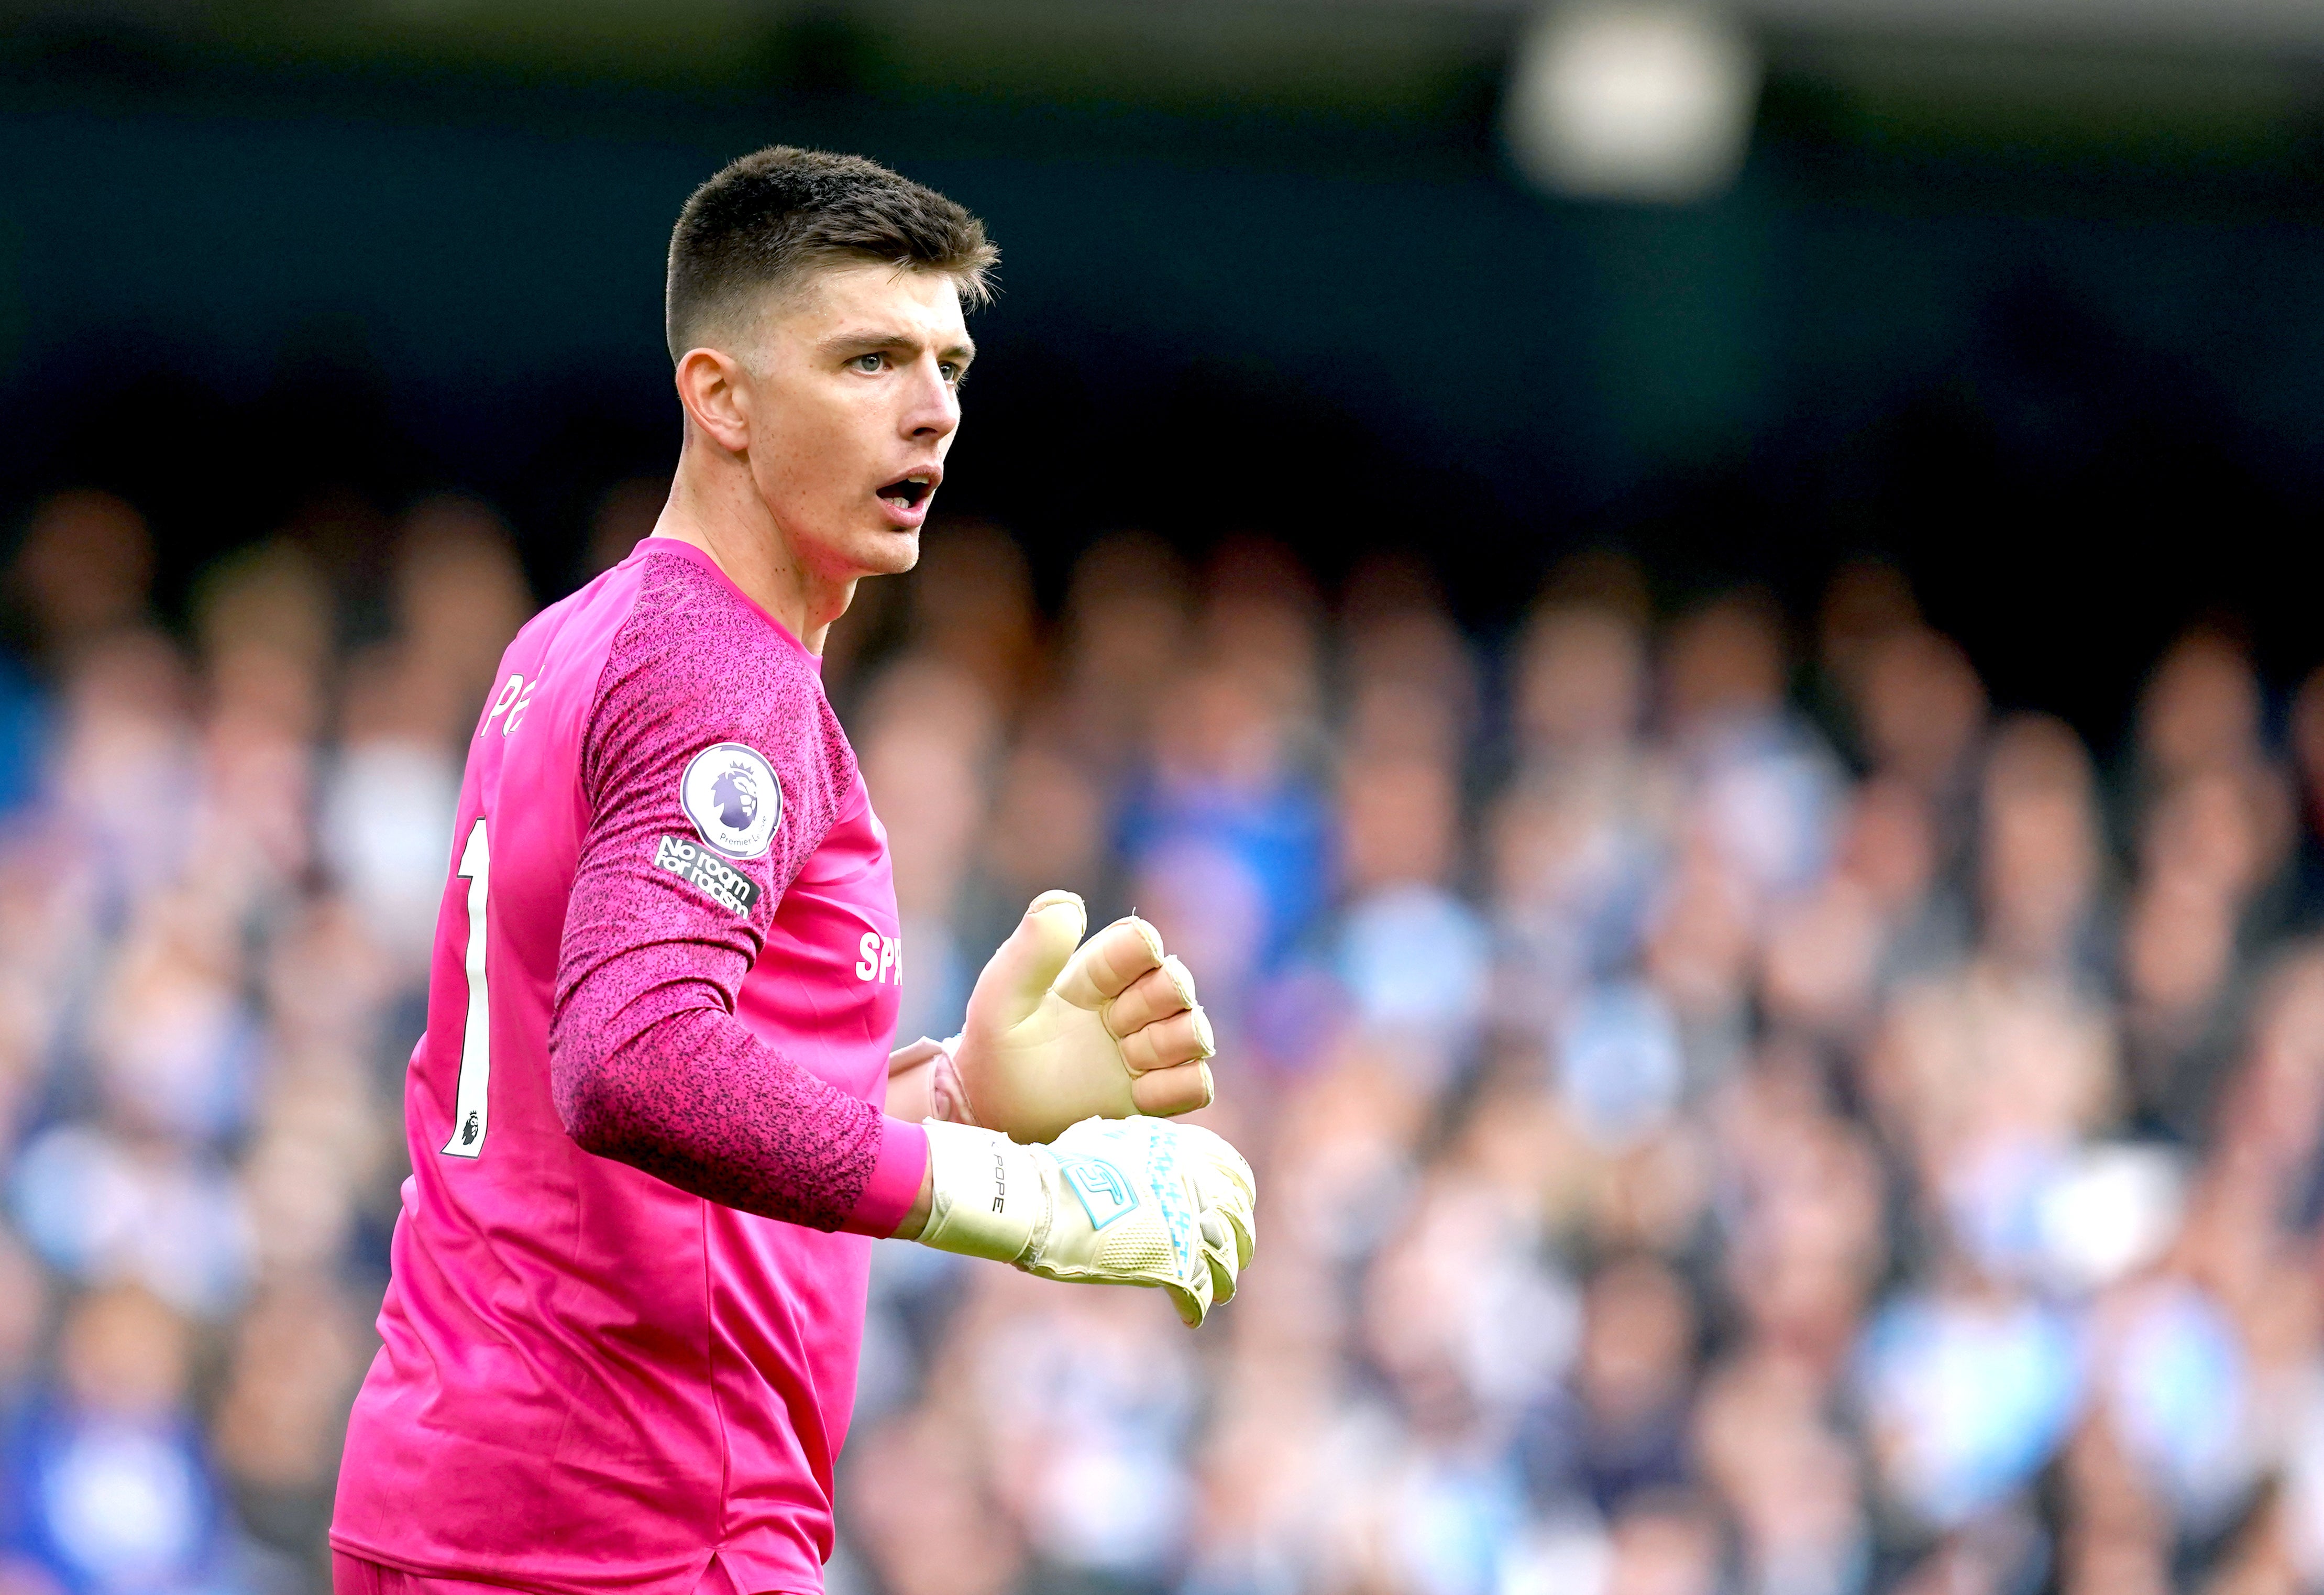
point(692, 1099)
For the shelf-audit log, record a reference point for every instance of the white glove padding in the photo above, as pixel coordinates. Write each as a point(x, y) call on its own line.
point(1059, 1029)
point(1110, 1202)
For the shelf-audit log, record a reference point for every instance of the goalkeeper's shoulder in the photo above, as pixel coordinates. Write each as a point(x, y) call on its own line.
point(704, 699)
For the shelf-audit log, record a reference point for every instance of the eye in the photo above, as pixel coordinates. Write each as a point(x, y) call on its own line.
point(870, 364)
point(954, 371)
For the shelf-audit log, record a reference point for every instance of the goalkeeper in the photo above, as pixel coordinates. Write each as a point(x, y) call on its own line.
point(645, 1121)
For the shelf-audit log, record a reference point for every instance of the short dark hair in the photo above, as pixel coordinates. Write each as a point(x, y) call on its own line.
point(780, 210)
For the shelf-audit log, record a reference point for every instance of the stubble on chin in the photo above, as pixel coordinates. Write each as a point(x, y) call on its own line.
point(892, 553)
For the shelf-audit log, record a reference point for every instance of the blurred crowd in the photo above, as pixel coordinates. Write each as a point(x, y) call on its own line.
point(1736, 1114)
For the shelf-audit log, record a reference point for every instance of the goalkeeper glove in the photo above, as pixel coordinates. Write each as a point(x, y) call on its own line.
point(1109, 1202)
point(1059, 1029)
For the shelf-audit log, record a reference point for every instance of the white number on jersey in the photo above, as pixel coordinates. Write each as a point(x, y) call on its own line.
point(471, 1111)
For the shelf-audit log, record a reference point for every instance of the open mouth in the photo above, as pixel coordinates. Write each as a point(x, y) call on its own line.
point(906, 492)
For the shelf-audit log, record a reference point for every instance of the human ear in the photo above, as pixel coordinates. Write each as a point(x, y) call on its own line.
point(715, 392)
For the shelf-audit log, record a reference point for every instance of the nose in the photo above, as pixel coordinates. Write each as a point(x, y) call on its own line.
point(932, 410)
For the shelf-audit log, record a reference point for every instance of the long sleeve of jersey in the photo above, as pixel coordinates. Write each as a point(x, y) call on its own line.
point(671, 900)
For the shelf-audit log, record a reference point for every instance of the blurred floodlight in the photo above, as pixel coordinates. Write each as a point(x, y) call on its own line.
point(2115, 1211)
point(1635, 101)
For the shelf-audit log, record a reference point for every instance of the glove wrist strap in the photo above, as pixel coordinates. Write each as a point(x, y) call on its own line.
point(988, 1198)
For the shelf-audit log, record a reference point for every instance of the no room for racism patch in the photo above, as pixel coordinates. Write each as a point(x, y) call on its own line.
point(707, 873)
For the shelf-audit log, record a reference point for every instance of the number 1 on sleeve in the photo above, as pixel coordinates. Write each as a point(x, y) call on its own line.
point(471, 1111)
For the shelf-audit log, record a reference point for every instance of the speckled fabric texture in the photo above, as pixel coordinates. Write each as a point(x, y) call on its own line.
point(648, 1062)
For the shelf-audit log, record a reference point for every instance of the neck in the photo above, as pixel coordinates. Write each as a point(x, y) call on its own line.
point(715, 504)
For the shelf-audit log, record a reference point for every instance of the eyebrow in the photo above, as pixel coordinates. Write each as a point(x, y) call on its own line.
point(862, 341)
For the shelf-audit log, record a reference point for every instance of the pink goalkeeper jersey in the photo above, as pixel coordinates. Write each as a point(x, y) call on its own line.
point(621, 1330)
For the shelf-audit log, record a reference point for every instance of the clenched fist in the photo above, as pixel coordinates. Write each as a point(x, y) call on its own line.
point(1060, 1030)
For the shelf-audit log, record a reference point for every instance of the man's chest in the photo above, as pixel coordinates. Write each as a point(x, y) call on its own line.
point(825, 988)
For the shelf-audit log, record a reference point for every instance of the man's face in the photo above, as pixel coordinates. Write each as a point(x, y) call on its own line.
point(855, 396)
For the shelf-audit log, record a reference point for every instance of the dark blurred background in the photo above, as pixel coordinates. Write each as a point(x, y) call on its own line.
point(1694, 618)
point(2022, 301)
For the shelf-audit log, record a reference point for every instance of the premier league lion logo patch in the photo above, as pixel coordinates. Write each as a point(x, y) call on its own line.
point(732, 796)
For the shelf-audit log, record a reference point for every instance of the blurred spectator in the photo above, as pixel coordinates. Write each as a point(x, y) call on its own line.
point(1047, 827)
point(2042, 854)
point(83, 572)
point(1664, 1545)
point(2214, 824)
point(1580, 831)
point(1763, 785)
point(924, 1512)
point(458, 596)
point(1788, 1477)
point(1867, 601)
point(84, 569)
point(1411, 687)
point(120, 1496)
point(972, 606)
point(626, 512)
point(1580, 692)
point(1621, 1431)
point(298, 1354)
point(1226, 833)
point(1412, 954)
point(1127, 623)
point(2202, 709)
